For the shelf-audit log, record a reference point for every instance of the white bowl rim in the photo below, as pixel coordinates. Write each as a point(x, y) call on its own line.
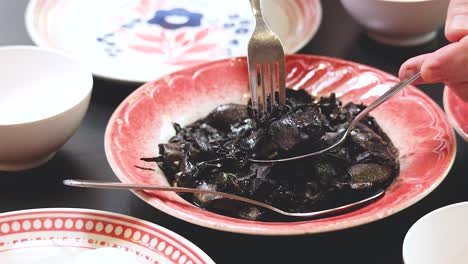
point(424, 218)
point(85, 71)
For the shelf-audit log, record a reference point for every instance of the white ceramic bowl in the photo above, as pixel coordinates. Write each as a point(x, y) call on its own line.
point(439, 237)
point(44, 96)
point(399, 22)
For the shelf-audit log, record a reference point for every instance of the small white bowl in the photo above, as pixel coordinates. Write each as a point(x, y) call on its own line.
point(399, 22)
point(44, 95)
point(439, 237)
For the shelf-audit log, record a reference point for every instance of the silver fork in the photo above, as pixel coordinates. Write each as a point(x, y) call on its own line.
point(265, 57)
point(133, 186)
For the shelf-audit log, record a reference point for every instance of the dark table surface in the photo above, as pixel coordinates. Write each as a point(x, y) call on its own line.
point(83, 157)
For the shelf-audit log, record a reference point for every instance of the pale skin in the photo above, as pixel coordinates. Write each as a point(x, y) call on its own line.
point(448, 64)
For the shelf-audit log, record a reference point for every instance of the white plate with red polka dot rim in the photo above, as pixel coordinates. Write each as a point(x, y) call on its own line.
point(141, 40)
point(68, 235)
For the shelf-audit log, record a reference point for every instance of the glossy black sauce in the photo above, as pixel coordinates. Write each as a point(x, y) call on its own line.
point(214, 152)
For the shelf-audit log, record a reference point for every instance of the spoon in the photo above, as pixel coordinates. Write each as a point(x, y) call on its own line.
point(387, 95)
point(131, 186)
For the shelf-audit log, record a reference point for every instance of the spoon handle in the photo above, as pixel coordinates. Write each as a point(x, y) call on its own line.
point(384, 97)
point(132, 186)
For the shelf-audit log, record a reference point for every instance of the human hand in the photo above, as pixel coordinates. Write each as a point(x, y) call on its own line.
point(448, 64)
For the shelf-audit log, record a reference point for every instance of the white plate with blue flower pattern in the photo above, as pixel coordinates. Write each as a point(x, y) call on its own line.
point(140, 40)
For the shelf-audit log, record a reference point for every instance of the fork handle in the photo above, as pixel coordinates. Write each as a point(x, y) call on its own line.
point(256, 8)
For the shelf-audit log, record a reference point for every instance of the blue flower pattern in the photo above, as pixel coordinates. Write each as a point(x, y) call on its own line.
point(107, 39)
point(160, 18)
point(234, 23)
point(238, 26)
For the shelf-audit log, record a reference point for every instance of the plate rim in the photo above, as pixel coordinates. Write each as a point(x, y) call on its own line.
point(39, 41)
point(313, 31)
point(450, 116)
point(102, 213)
point(264, 231)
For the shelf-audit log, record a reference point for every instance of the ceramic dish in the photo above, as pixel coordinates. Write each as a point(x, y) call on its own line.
point(456, 110)
point(416, 125)
point(439, 237)
point(67, 235)
point(399, 22)
point(137, 41)
point(44, 97)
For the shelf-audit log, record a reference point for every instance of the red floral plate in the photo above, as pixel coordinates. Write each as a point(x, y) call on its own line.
point(457, 112)
point(68, 235)
point(416, 125)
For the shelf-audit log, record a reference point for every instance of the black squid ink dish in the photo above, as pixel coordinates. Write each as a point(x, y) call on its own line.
point(216, 152)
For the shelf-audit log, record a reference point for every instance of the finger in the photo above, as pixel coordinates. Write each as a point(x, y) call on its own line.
point(448, 64)
point(456, 25)
point(411, 67)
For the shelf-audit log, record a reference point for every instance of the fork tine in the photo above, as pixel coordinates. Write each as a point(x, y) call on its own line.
point(272, 72)
point(282, 82)
point(263, 74)
point(252, 68)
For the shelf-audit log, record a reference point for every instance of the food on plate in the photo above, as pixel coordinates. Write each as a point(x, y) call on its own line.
point(215, 153)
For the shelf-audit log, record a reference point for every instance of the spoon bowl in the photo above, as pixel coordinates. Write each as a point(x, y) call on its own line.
point(384, 97)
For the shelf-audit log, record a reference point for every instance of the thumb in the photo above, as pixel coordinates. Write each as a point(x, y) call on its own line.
point(456, 25)
point(448, 64)
point(412, 66)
